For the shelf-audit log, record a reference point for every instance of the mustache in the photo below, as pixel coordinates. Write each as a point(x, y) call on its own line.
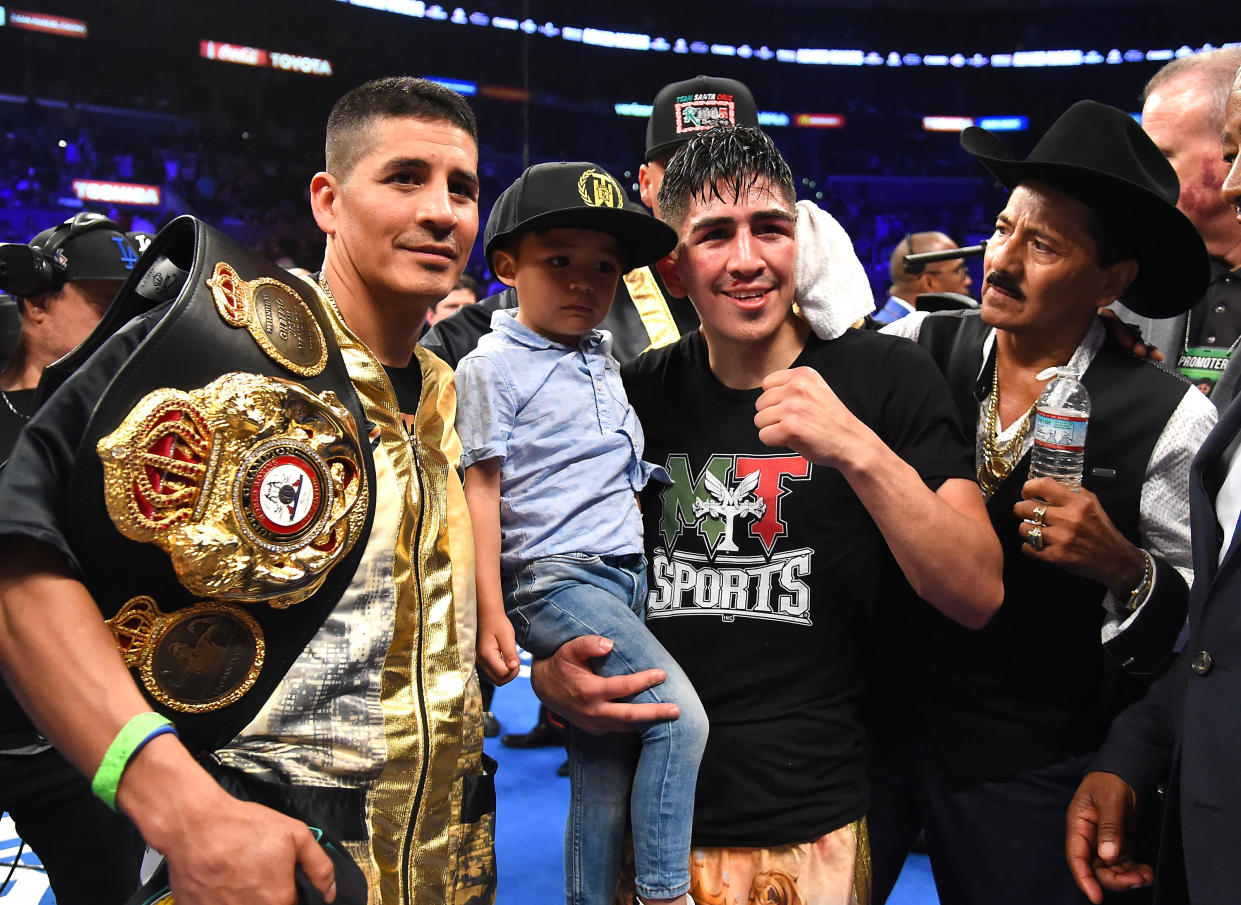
point(430, 236)
point(1000, 280)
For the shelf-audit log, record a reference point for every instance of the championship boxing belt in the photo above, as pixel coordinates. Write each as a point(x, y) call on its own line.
point(221, 490)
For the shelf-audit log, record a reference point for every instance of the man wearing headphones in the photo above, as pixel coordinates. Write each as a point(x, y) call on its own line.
point(64, 280)
point(909, 282)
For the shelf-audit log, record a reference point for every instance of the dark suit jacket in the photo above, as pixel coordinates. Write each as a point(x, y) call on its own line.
point(1187, 730)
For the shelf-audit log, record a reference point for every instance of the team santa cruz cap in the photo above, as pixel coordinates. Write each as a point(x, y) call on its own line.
point(578, 195)
point(683, 109)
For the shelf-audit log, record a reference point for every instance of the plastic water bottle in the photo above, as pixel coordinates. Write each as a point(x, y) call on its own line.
point(1060, 419)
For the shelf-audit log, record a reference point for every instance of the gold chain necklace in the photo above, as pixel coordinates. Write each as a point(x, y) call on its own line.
point(327, 290)
point(999, 458)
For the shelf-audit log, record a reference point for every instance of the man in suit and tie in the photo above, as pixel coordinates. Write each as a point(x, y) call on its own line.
point(1184, 733)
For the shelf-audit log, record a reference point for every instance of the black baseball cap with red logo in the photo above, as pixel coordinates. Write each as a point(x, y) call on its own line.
point(683, 109)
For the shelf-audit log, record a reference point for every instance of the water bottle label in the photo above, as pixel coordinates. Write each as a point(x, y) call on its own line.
point(1060, 431)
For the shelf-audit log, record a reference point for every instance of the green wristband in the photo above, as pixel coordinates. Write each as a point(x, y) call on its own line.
point(136, 733)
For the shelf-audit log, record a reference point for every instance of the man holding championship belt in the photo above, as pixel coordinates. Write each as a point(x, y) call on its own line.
point(236, 580)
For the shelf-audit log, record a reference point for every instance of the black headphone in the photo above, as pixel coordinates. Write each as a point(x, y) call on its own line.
point(910, 268)
point(35, 269)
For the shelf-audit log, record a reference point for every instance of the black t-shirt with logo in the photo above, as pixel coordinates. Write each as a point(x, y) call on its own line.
point(766, 575)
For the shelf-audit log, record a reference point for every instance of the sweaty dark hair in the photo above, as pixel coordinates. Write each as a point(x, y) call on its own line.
point(731, 158)
point(402, 95)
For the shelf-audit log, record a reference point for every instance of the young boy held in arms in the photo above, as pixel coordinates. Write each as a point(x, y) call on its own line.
point(553, 459)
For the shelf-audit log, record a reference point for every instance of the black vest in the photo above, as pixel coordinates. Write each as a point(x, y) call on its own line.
point(1035, 685)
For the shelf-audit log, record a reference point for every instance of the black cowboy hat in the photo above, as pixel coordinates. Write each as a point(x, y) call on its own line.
point(1100, 156)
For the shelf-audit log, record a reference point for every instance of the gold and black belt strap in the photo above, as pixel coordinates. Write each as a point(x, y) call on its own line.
point(219, 495)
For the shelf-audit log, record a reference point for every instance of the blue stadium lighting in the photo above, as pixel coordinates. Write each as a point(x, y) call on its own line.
point(773, 118)
point(1003, 123)
point(415, 8)
point(806, 56)
point(817, 56)
point(622, 39)
point(469, 89)
point(642, 110)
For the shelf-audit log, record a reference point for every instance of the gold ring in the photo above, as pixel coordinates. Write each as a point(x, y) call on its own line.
point(1035, 537)
point(1039, 512)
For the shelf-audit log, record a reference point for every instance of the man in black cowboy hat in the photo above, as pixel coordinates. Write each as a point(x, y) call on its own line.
point(1096, 580)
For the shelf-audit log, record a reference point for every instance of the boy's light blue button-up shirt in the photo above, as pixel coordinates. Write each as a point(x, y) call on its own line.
point(569, 443)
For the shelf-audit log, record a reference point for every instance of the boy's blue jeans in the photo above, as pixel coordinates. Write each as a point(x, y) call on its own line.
point(553, 600)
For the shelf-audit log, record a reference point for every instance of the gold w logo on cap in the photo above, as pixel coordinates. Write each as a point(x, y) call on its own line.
point(598, 189)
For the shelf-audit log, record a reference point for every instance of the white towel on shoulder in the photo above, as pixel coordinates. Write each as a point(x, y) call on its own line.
point(832, 290)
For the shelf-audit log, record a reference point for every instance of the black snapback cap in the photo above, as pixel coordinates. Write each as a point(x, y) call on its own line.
point(89, 247)
point(577, 195)
point(683, 109)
